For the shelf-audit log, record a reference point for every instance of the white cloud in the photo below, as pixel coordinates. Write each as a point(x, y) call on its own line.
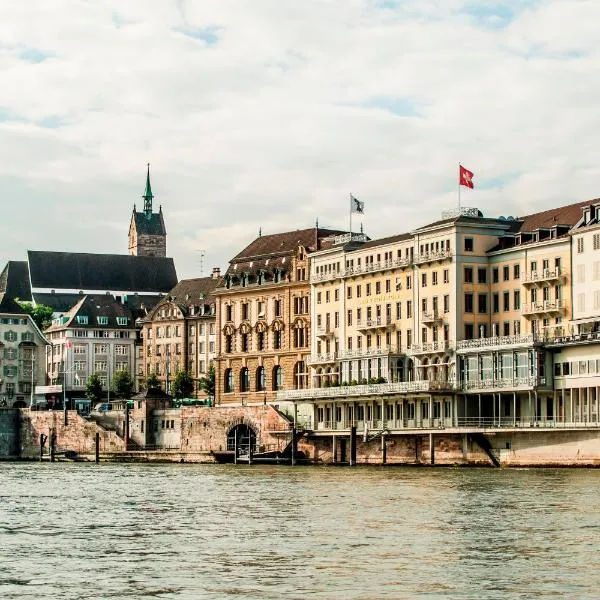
point(268, 113)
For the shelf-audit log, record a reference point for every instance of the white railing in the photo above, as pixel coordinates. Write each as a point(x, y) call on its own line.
point(374, 323)
point(357, 390)
point(463, 211)
point(431, 256)
point(325, 357)
point(498, 340)
point(503, 383)
point(544, 275)
point(544, 307)
point(324, 330)
point(372, 351)
point(439, 346)
point(316, 277)
point(431, 317)
point(378, 266)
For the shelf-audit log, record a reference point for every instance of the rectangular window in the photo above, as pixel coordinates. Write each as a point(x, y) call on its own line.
point(468, 244)
point(482, 275)
point(580, 245)
point(423, 279)
point(517, 300)
point(495, 303)
point(368, 289)
point(495, 275)
point(434, 278)
point(482, 303)
point(446, 275)
point(378, 287)
point(468, 274)
point(468, 303)
point(409, 309)
point(506, 273)
point(506, 301)
point(349, 292)
point(517, 272)
point(446, 303)
point(121, 320)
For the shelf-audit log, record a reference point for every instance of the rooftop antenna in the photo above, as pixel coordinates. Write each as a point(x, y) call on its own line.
point(202, 255)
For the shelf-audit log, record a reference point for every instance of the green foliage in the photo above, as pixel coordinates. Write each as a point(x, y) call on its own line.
point(93, 388)
point(207, 384)
point(122, 384)
point(152, 382)
point(183, 385)
point(40, 313)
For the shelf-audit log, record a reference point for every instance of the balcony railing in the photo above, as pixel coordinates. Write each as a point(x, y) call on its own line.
point(393, 263)
point(356, 390)
point(503, 383)
point(376, 323)
point(318, 277)
point(429, 318)
point(327, 357)
point(427, 347)
point(546, 306)
point(371, 351)
point(324, 330)
point(432, 256)
point(543, 275)
point(499, 340)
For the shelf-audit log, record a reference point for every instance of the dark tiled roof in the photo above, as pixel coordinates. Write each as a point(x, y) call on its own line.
point(9, 306)
point(191, 292)
point(93, 306)
point(280, 244)
point(563, 215)
point(155, 225)
point(58, 302)
point(386, 240)
point(111, 272)
point(14, 280)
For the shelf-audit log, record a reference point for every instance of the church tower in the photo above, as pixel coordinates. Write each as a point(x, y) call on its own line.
point(147, 232)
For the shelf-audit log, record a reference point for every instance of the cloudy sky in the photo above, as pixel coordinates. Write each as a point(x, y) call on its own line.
point(268, 113)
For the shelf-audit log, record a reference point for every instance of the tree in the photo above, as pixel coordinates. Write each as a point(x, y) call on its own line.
point(40, 313)
point(152, 382)
point(183, 385)
point(122, 384)
point(93, 388)
point(207, 384)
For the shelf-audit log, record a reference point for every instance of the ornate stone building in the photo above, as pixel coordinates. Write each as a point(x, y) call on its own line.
point(179, 332)
point(147, 232)
point(263, 317)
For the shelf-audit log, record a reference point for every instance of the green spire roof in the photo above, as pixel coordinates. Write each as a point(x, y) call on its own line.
point(148, 195)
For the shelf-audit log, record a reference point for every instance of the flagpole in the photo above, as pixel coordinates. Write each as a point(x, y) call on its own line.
point(459, 188)
point(350, 198)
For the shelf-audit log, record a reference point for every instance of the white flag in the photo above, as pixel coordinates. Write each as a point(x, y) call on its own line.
point(356, 206)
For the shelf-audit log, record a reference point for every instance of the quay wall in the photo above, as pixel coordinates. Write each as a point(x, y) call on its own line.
point(9, 433)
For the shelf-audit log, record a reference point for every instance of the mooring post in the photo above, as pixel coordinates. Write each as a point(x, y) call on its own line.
point(43, 439)
point(431, 449)
point(383, 450)
point(353, 445)
point(97, 447)
point(235, 447)
point(293, 446)
point(249, 450)
point(52, 446)
point(126, 428)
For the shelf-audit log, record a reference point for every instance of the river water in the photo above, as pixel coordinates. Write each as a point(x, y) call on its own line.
point(204, 531)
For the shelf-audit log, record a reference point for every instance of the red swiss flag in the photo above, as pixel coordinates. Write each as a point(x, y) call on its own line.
point(465, 177)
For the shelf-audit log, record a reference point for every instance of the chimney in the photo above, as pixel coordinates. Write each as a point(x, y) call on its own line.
point(216, 272)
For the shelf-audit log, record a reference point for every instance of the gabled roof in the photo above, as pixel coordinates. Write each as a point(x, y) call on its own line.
point(14, 280)
point(279, 244)
point(563, 215)
point(153, 224)
point(93, 306)
point(110, 272)
point(9, 306)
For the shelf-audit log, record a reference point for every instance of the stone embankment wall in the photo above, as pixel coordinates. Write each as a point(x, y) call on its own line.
point(79, 435)
point(9, 433)
point(205, 429)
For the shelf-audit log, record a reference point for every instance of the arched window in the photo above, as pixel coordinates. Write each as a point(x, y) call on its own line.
point(300, 375)
point(261, 379)
point(228, 381)
point(277, 378)
point(244, 380)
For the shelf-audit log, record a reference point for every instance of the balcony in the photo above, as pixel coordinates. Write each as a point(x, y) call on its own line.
point(431, 318)
point(324, 330)
point(320, 359)
point(432, 256)
point(548, 275)
point(395, 263)
point(430, 347)
point(321, 277)
point(496, 342)
point(509, 383)
point(375, 389)
point(545, 307)
point(376, 323)
point(557, 340)
point(371, 352)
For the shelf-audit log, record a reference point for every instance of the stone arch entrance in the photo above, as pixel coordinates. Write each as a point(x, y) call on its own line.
point(246, 438)
point(19, 404)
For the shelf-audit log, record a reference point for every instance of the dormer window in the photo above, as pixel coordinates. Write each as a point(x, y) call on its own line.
point(82, 320)
point(102, 320)
point(121, 320)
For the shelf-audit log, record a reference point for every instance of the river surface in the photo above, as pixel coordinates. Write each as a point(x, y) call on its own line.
point(203, 531)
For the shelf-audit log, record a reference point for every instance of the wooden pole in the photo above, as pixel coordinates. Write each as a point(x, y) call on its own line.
point(52, 446)
point(431, 449)
point(97, 447)
point(235, 447)
point(353, 445)
point(383, 450)
point(293, 446)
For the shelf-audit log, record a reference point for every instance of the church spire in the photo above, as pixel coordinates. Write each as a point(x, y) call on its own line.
point(148, 196)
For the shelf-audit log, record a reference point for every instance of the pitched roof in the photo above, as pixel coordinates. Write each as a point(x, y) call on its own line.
point(152, 224)
point(279, 244)
point(196, 291)
point(111, 272)
point(386, 240)
point(97, 305)
point(563, 215)
point(9, 306)
point(14, 280)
